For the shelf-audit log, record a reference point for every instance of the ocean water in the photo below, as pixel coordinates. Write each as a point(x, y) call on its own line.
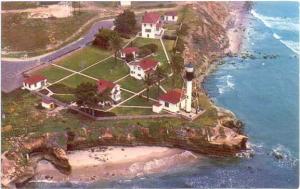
point(263, 93)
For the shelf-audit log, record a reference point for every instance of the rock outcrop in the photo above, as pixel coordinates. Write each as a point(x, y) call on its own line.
point(19, 163)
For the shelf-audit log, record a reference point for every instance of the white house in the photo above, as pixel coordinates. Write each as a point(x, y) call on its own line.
point(170, 16)
point(125, 3)
point(35, 82)
point(141, 69)
point(115, 91)
point(129, 50)
point(173, 101)
point(46, 103)
point(151, 25)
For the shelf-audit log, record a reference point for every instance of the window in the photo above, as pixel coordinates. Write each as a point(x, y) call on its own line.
point(144, 25)
point(148, 30)
point(167, 104)
point(173, 17)
point(139, 75)
point(151, 25)
point(148, 35)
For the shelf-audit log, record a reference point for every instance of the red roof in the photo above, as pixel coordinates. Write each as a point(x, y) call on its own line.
point(34, 79)
point(104, 85)
point(46, 101)
point(171, 13)
point(151, 17)
point(173, 96)
point(147, 64)
point(129, 50)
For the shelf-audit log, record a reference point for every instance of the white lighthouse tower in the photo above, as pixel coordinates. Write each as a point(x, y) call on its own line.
point(189, 76)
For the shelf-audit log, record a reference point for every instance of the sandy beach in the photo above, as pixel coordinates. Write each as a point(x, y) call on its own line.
point(235, 33)
point(107, 163)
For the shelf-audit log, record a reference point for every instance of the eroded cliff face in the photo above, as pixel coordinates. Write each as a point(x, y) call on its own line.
point(18, 164)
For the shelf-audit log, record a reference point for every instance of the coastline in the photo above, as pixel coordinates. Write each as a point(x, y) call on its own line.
point(90, 169)
point(109, 163)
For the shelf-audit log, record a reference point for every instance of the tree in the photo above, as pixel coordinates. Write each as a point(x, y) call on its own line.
point(125, 22)
point(115, 42)
point(160, 74)
point(148, 82)
point(177, 64)
point(86, 95)
point(108, 39)
point(129, 57)
point(102, 38)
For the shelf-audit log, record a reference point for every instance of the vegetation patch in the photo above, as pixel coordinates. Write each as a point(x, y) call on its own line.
point(76, 80)
point(64, 98)
point(111, 69)
point(83, 58)
point(52, 73)
point(132, 84)
point(61, 88)
point(34, 36)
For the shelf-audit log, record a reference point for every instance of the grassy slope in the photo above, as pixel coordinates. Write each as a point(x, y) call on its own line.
point(22, 34)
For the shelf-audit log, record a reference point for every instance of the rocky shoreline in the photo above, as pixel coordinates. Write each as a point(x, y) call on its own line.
point(226, 138)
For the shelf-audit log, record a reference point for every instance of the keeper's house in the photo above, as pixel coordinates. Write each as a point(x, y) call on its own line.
point(151, 25)
point(141, 69)
point(35, 82)
point(114, 89)
point(173, 101)
point(170, 16)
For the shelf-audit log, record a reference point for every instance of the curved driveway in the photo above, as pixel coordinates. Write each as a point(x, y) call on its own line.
point(11, 71)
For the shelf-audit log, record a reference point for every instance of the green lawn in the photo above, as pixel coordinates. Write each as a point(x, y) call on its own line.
point(64, 98)
point(108, 70)
point(83, 58)
point(138, 101)
point(160, 54)
point(132, 111)
point(153, 92)
point(171, 26)
point(170, 84)
point(52, 73)
point(132, 84)
point(125, 95)
point(75, 80)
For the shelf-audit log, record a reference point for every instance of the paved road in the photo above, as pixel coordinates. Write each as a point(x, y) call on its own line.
point(11, 71)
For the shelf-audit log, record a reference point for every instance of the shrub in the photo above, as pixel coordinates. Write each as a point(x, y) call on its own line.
point(144, 52)
point(151, 46)
point(129, 57)
point(179, 45)
point(125, 36)
point(169, 37)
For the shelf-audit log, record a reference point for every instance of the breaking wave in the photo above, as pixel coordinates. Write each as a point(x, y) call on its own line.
point(227, 84)
point(283, 156)
point(279, 23)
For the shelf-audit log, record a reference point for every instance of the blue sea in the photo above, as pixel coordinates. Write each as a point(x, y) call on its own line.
point(263, 93)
